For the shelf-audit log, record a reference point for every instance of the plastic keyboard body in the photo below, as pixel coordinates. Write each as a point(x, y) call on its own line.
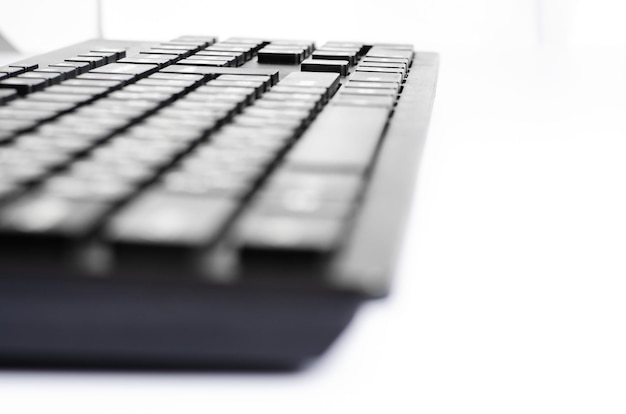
point(203, 202)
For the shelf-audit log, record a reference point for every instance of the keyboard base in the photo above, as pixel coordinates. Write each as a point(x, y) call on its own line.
point(97, 324)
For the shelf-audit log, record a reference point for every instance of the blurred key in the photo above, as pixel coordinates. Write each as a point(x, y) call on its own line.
point(81, 67)
point(137, 70)
point(65, 72)
point(159, 217)
point(50, 77)
point(24, 86)
point(342, 138)
point(7, 95)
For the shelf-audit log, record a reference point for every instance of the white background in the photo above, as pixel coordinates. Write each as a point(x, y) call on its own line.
point(510, 295)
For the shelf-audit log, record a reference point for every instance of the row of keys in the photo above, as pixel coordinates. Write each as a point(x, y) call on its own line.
point(114, 170)
point(29, 79)
point(196, 199)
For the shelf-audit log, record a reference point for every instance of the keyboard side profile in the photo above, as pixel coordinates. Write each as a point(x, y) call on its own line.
point(202, 202)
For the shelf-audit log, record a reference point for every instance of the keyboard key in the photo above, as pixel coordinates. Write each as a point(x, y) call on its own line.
point(328, 81)
point(93, 61)
point(307, 45)
point(24, 86)
point(118, 77)
point(154, 59)
point(204, 62)
point(81, 67)
point(7, 95)
point(382, 52)
point(376, 77)
point(137, 70)
point(325, 54)
point(342, 138)
point(50, 77)
point(284, 234)
point(12, 70)
point(43, 213)
point(207, 40)
point(25, 66)
point(119, 53)
point(65, 72)
point(159, 217)
point(348, 99)
point(211, 72)
point(290, 56)
point(317, 65)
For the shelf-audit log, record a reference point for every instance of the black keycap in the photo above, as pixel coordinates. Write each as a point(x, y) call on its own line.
point(137, 70)
point(51, 78)
point(265, 81)
point(107, 76)
point(214, 71)
point(109, 57)
point(158, 51)
point(315, 65)
point(119, 53)
point(373, 85)
point(307, 45)
point(42, 105)
point(368, 91)
point(395, 46)
point(193, 45)
point(43, 213)
point(24, 85)
point(109, 84)
point(286, 234)
point(374, 69)
point(81, 67)
point(239, 58)
point(93, 61)
point(291, 56)
point(232, 48)
point(8, 113)
point(159, 217)
point(177, 76)
point(376, 77)
point(363, 100)
point(342, 138)
point(347, 45)
point(204, 62)
point(334, 55)
point(258, 43)
point(12, 70)
point(382, 52)
point(7, 95)
point(154, 59)
point(329, 81)
point(66, 72)
point(150, 81)
point(209, 40)
point(82, 90)
point(16, 125)
point(61, 97)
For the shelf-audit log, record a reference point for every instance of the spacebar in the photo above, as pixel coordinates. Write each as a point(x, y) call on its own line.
point(342, 138)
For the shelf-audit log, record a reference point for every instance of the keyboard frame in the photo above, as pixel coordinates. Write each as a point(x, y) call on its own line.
point(280, 322)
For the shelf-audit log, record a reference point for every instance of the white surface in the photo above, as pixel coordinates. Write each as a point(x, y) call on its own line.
point(510, 294)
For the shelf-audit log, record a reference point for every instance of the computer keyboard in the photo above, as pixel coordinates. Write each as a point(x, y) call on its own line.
point(201, 201)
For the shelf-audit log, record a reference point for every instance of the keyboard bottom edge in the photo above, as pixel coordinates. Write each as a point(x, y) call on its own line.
point(82, 327)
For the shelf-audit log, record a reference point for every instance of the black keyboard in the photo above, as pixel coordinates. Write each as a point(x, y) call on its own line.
point(201, 201)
